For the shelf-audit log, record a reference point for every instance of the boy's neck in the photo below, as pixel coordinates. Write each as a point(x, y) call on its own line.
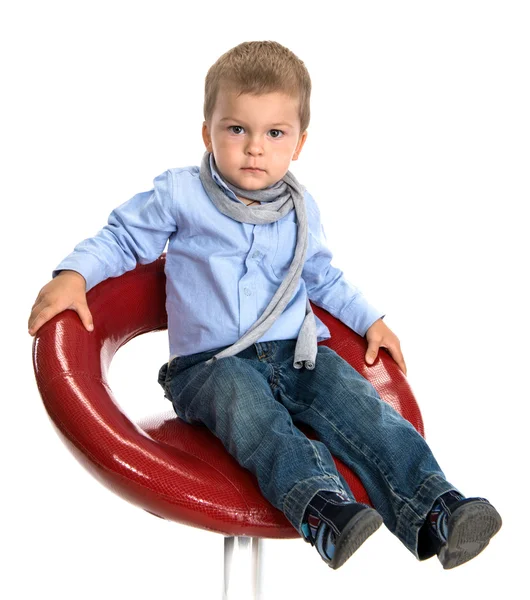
point(247, 201)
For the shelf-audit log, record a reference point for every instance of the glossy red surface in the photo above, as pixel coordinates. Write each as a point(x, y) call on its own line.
point(163, 465)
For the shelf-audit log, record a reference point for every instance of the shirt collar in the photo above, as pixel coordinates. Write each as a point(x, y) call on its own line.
point(219, 181)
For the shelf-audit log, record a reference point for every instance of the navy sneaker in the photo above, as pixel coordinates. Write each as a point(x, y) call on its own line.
point(470, 524)
point(337, 526)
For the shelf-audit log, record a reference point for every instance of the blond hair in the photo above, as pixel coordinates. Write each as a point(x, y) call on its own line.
point(259, 68)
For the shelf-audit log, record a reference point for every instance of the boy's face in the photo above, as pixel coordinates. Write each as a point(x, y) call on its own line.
point(254, 131)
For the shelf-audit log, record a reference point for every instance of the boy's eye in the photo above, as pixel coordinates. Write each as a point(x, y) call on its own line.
point(238, 127)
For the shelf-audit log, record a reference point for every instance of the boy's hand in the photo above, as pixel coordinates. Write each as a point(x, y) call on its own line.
point(66, 291)
point(380, 336)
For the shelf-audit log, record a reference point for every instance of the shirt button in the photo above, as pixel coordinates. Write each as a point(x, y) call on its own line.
point(256, 254)
point(247, 292)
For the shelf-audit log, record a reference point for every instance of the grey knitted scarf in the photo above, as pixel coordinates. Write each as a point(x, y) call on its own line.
point(278, 200)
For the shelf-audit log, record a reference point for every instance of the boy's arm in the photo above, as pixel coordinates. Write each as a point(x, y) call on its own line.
point(326, 285)
point(136, 232)
point(328, 288)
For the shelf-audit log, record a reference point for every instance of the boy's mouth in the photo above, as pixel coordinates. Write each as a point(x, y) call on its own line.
point(253, 170)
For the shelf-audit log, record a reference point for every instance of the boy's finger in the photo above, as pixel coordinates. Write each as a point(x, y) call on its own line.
point(42, 317)
point(371, 352)
point(85, 315)
point(35, 311)
point(398, 357)
point(402, 366)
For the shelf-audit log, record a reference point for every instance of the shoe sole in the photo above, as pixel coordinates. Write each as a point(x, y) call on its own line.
point(356, 532)
point(470, 529)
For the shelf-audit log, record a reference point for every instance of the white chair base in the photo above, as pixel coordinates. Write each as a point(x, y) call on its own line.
point(242, 568)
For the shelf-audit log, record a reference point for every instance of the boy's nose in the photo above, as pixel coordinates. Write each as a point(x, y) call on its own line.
point(255, 146)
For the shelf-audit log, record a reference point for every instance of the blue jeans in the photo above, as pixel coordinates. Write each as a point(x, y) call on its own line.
point(252, 402)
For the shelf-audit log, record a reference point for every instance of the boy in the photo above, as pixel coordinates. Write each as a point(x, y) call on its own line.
point(246, 252)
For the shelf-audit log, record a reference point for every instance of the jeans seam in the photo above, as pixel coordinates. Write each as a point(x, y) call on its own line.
point(315, 452)
point(275, 379)
point(367, 458)
point(279, 385)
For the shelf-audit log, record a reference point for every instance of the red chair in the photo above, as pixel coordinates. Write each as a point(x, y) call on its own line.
point(165, 466)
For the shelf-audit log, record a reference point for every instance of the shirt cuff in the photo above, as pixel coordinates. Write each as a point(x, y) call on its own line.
point(87, 265)
point(359, 315)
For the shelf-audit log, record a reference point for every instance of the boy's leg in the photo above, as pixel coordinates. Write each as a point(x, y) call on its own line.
point(233, 399)
point(393, 461)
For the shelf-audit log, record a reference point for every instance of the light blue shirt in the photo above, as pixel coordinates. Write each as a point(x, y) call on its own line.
point(221, 274)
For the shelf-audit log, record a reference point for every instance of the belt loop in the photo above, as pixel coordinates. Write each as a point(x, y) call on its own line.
point(263, 349)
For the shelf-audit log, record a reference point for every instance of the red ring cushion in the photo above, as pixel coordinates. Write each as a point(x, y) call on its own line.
point(163, 465)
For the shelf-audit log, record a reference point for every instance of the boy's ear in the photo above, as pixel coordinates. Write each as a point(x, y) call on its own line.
point(300, 145)
point(206, 136)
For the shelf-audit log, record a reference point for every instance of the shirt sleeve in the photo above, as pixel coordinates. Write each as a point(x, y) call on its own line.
point(136, 232)
point(327, 286)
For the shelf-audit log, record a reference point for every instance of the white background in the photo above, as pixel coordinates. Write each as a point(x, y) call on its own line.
point(418, 155)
